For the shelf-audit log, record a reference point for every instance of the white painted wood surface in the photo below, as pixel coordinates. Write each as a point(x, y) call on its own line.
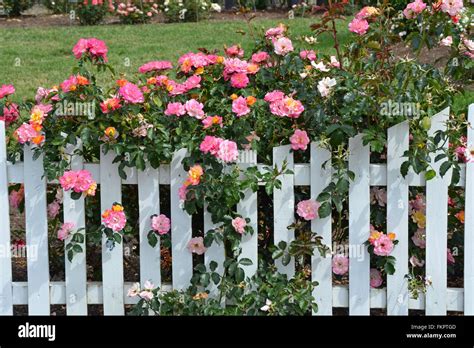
point(321, 266)
point(248, 208)
point(112, 260)
point(6, 300)
point(469, 225)
point(215, 252)
point(149, 204)
point(397, 219)
point(284, 206)
point(359, 227)
point(436, 229)
point(181, 227)
point(75, 271)
point(36, 235)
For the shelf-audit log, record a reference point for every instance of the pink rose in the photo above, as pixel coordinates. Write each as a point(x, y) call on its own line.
point(415, 262)
point(10, 113)
point(359, 26)
point(176, 109)
point(340, 264)
point(239, 80)
point(260, 57)
point(240, 107)
point(299, 140)
point(383, 245)
point(159, 65)
point(375, 278)
point(414, 8)
point(160, 224)
point(196, 246)
point(194, 109)
point(6, 90)
point(451, 260)
point(228, 151)
point(239, 225)
point(53, 209)
point(274, 96)
point(283, 46)
point(25, 133)
point(308, 209)
point(65, 230)
point(210, 145)
point(308, 54)
point(234, 51)
point(131, 93)
point(452, 7)
point(419, 238)
point(96, 48)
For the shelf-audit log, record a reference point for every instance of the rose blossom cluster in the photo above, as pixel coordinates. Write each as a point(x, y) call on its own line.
point(114, 218)
point(383, 243)
point(192, 108)
point(73, 82)
point(465, 152)
point(80, 181)
point(196, 62)
point(32, 131)
point(360, 24)
point(413, 9)
point(127, 9)
point(10, 110)
point(225, 150)
point(418, 216)
point(146, 293)
point(281, 44)
point(283, 105)
point(194, 178)
point(65, 230)
point(237, 70)
point(92, 48)
point(155, 66)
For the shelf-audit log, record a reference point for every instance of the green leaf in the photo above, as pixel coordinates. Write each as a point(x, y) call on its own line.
point(213, 266)
point(325, 210)
point(430, 174)
point(239, 275)
point(444, 168)
point(246, 262)
point(152, 239)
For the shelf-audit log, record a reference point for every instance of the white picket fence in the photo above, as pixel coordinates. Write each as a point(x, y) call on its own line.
point(76, 293)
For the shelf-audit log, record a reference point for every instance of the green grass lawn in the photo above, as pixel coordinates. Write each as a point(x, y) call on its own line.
point(35, 57)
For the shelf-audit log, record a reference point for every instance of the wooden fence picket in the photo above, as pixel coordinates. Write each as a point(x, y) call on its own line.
point(36, 234)
point(181, 227)
point(359, 226)
point(397, 218)
point(248, 208)
point(149, 204)
point(321, 266)
point(75, 270)
point(112, 260)
point(437, 228)
point(469, 224)
point(215, 252)
point(6, 295)
point(284, 206)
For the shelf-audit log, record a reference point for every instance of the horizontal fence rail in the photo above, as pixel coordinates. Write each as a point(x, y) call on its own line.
point(77, 293)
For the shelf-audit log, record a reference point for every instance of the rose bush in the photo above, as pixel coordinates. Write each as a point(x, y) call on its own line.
point(215, 103)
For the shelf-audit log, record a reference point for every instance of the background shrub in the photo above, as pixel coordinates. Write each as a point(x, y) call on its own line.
point(15, 7)
point(89, 14)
